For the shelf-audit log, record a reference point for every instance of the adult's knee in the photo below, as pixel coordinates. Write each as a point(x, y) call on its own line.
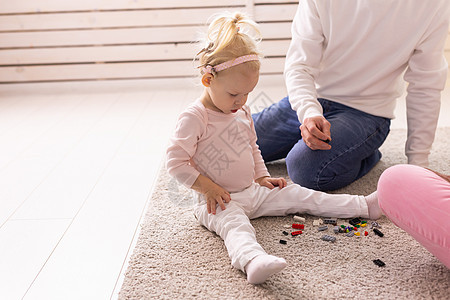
point(314, 171)
point(301, 172)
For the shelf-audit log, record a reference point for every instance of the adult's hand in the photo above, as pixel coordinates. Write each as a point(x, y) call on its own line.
point(316, 133)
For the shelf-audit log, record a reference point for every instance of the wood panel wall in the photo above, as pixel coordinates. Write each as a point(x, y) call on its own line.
point(54, 40)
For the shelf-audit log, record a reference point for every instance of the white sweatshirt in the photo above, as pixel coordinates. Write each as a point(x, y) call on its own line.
point(354, 52)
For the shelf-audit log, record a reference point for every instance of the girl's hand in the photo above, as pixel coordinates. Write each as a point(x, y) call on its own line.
point(271, 182)
point(216, 195)
point(213, 193)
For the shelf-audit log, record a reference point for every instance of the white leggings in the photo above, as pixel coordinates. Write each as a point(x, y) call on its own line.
point(234, 227)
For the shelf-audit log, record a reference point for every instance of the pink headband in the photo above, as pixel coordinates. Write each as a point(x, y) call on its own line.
point(228, 64)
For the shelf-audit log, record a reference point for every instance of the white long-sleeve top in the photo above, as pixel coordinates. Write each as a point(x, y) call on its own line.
point(354, 52)
point(219, 146)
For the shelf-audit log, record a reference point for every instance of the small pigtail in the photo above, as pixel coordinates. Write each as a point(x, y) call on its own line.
point(222, 32)
point(229, 36)
point(224, 29)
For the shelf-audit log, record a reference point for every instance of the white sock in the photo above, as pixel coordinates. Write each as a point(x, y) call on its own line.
point(262, 266)
point(372, 204)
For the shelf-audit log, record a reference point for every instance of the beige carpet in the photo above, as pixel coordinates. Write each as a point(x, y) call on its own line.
point(175, 258)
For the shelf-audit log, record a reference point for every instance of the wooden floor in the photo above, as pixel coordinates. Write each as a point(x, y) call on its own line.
point(78, 162)
point(77, 166)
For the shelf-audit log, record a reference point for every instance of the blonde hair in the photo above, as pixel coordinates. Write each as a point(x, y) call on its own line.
point(230, 35)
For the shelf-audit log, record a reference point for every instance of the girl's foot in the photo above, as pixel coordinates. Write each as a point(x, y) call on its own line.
point(372, 204)
point(262, 266)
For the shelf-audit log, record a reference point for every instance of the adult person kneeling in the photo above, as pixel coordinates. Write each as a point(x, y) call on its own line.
point(343, 75)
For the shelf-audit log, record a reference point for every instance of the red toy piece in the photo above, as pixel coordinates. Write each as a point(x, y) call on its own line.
point(294, 233)
point(298, 226)
point(365, 233)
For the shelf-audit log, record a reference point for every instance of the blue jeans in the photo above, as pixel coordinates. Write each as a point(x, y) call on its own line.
point(356, 137)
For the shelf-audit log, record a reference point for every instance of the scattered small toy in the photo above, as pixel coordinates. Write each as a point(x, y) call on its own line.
point(328, 238)
point(348, 229)
point(355, 221)
point(374, 224)
point(332, 221)
point(298, 226)
point(322, 228)
point(317, 222)
point(377, 232)
point(379, 263)
point(299, 219)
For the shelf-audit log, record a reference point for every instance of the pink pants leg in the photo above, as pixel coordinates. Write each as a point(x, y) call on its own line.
point(418, 201)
